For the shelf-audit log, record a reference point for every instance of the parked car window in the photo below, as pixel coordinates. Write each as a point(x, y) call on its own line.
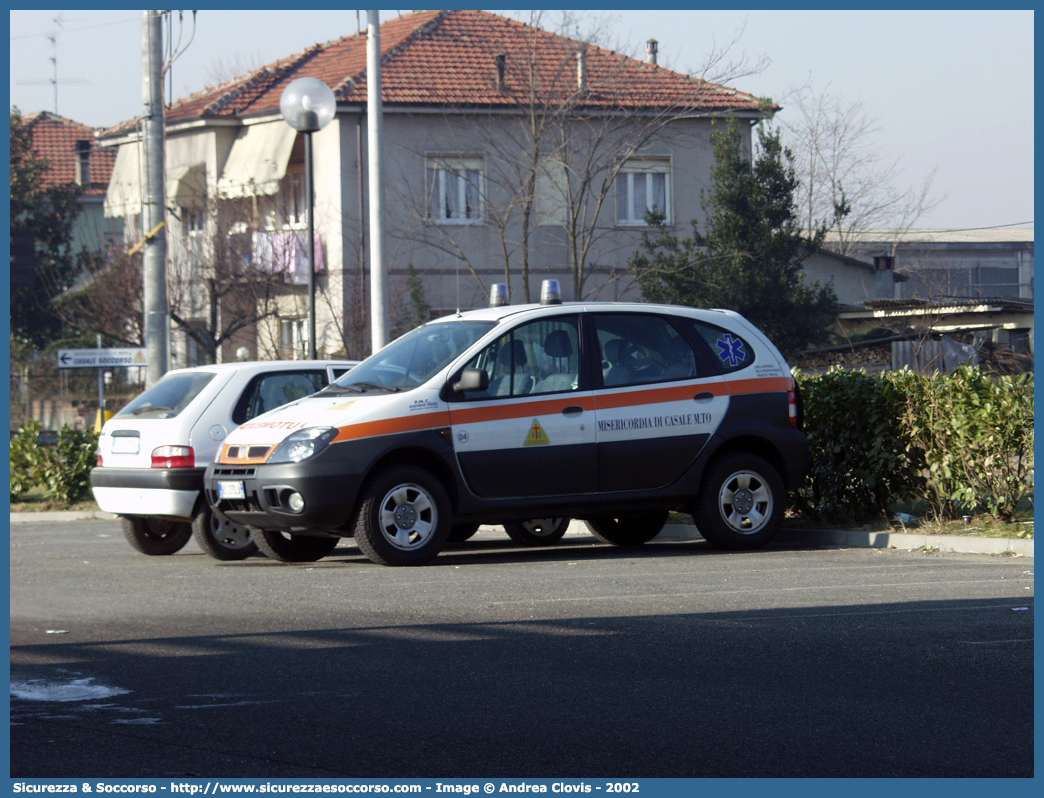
point(538, 357)
point(414, 358)
point(507, 363)
point(639, 348)
point(729, 352)
point(268, 391)
point(169, 396)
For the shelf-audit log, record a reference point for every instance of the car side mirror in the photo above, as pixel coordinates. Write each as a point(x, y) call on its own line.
point(472, 380)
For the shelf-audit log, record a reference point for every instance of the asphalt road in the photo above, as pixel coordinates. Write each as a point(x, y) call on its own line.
point(579, 661)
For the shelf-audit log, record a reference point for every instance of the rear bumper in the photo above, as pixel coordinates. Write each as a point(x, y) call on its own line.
point(147, 491)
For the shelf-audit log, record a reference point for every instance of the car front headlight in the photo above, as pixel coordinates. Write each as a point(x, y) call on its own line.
point(301, 445)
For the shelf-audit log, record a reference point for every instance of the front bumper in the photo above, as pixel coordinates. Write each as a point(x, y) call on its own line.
point(329, 495)
point(329, 482)
point(169, 492)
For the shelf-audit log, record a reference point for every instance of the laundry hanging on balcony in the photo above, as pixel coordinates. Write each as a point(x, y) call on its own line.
point(286, 253)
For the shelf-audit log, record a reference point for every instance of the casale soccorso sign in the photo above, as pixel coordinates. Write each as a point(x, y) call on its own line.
point(100, 358)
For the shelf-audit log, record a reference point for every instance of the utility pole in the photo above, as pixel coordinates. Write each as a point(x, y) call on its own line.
point(374, 137)
point(154, 252)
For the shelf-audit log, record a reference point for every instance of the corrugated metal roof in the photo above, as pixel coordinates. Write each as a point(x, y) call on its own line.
point(938, 235)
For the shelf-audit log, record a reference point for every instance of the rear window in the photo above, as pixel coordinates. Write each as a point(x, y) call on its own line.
point(731, 352)
point(268, 391)
point(169, 396)
point(723, 351)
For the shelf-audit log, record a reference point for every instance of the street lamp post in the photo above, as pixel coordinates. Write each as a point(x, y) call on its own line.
point(308, 105)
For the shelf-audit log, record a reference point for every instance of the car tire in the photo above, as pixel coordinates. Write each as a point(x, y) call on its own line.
point(220, 538)
point(538, 531)
point(404, 517)
point(630, 529)
point(155, 536)
point(741, 504)
point(461, 532)
point(284, 547)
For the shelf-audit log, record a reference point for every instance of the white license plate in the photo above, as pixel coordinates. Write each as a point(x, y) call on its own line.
point(231, 490)
point(124, 444)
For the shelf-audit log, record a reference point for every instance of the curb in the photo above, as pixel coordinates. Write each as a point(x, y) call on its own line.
point(959, 544)
point(906, 540)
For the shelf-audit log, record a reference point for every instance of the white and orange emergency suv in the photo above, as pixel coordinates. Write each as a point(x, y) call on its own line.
point(527, 416)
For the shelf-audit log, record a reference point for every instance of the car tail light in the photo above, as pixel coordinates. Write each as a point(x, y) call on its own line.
point(100, 463)
point(796, 411)
point(173, 457)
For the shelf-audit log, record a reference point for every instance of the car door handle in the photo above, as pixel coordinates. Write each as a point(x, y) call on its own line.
point(572, 410)
point(703, 397)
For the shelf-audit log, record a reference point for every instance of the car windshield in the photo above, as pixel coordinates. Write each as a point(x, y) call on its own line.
point(169, 396)
point(412, 359)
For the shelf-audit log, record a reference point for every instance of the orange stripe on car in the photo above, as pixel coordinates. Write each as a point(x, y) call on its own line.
point(388, 426)
point(469, 414)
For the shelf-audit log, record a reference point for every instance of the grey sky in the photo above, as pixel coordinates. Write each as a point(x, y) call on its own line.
point(950, 89)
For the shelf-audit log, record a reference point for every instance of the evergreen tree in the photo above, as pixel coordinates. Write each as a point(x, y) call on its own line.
point(44, 216)
point(750, 257)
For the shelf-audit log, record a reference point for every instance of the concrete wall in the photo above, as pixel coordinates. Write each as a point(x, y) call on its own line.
point(853, 282)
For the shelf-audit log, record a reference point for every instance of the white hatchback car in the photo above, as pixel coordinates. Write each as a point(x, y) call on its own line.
point(153, 452)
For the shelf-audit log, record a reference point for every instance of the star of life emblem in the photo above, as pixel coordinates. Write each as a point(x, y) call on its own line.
point(730, 350)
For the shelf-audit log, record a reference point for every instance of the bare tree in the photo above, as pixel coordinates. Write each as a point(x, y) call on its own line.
point(217, 286)
point(842, 168)
point(554, 149)
point(107, 299)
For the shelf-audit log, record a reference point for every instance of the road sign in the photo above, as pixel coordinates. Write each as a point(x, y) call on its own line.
point(100, 358)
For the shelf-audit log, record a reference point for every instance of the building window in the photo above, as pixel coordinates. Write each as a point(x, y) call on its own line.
point(193, 221)
point(994, 281)
point(195, 355)
point(293, 339)
point(287, 209)
point(552, 194)
point(455, 190)
point(294, 200)
point(643, 184)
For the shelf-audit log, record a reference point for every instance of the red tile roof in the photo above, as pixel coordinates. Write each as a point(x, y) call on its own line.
point(449, 58)
point(55, 138)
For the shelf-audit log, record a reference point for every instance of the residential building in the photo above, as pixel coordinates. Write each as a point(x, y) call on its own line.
point(73, 156)
point(511, 155)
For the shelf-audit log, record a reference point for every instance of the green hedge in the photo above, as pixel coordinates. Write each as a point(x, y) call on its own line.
point(957, 443)
point(62, 470)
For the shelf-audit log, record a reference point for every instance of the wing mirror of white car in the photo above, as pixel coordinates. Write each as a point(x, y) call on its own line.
point(472, 380)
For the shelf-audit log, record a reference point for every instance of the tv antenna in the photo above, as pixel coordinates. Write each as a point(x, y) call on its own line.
point(52, 37)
